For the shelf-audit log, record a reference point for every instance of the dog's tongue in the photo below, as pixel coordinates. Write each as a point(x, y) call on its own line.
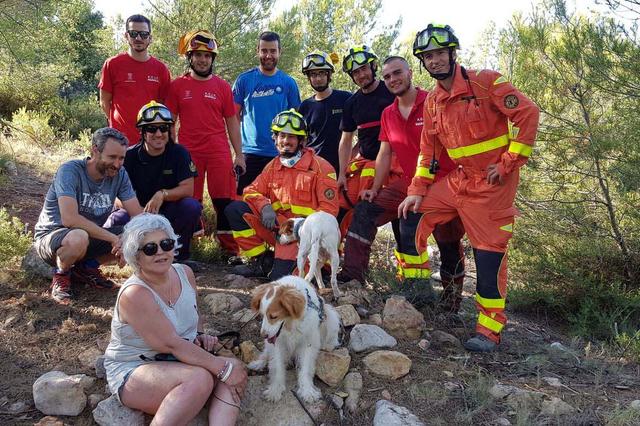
point(272, 339)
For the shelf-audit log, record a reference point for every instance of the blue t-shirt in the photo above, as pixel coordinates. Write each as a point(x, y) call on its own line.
point(95, 199)
point(261, 97)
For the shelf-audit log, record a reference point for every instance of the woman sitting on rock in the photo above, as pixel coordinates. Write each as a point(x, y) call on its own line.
point(157, 360)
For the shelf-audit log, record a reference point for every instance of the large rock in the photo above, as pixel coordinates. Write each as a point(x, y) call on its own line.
point(440, 339)
point(401, 319)
point(222, 302)
point(388, 364)
point(348, 315)
point(248, 352)
point(58, 394)
point(49, 421)
point(101, 372)
point(111, 413)
point(516, 397)
point(556, 407)
point(238, 281)
point(243, 315)
point(331, 367)
point(256, 411)
point(34, 266)
point(89, 356)
point(389, 414)
point(367, 336)
point(353, 386)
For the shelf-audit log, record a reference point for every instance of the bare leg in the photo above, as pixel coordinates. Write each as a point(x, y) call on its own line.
point(173, 391)
point(223, 410)
point(73, 248)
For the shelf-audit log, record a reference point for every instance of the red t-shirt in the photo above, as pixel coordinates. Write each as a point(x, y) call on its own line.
point(132, 84)
point(202, 106)
point(404, 137)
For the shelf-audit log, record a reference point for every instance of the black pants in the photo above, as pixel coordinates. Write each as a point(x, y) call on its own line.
point(255, 165)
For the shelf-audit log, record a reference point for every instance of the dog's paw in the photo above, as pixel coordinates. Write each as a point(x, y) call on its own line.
point(257, 365)
point(273, 393)
point(309, 393)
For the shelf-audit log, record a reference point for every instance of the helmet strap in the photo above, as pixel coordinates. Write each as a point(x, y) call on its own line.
point(198, 73)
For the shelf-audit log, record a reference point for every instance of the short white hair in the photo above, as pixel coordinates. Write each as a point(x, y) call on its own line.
point(137, 229)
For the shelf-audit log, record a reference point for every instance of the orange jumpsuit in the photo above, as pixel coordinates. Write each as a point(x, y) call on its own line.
point(309, 186)
point(482, 120)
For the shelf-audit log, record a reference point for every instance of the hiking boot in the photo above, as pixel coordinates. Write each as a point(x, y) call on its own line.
point(61, 289)
point(480, 343)
point(258, 266)
point(81, 274)
point(419, 292)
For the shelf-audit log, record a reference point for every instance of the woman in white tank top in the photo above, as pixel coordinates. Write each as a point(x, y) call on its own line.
point(156, 313)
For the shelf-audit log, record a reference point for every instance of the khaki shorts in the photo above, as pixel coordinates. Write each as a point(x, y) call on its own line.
point(48, 245)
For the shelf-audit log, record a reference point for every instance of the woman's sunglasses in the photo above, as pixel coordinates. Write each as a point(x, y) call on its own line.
point(151, 249)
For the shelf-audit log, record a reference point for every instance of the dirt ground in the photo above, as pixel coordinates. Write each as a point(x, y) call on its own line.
point(444, 386)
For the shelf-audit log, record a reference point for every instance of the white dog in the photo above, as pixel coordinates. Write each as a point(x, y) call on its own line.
point(295, 322)
point(319, 237)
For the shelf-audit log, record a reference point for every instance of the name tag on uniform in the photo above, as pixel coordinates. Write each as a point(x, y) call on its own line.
point(167, 172)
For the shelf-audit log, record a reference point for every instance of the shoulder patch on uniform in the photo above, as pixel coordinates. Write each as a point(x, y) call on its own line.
point(329, 193)
point(499, 80)
point(511, 101)
point(332, 175)
point(192, 167)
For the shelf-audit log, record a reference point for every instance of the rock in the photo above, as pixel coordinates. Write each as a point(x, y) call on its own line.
point(501, 421)
point(353, 386)
point(401, 318)
point(94, 399)
point(424, 344)
point(354, 297)
point(376, 319)
point(516, 397)
point(248, 352)
point(89, 356)
point(389, 414)
point(111, 413)
point(556, 407)
point(348, 315)
point(243, 315)
point(101, 373)
point(49, 421)
point(238, 281)
point(367, 336)
point(337, 401)
point(34, 266)
point(388, 364)
point(256, 411)
point(331, 367)
point(499, 391)
point(11, 168)
point(386, 395)
point(222, 302)
point(362, 311)
point(450, 386)
point(635, 404)
point(55, 393)
point(447, 373)
point(558, 347)
point(441, 339)
point(19, 407)
point(552, 381)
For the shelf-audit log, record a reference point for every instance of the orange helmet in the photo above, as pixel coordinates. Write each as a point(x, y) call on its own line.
point(198, 40)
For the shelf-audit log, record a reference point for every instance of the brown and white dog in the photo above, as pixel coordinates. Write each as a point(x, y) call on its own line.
point(295, 323)
point(319, 238)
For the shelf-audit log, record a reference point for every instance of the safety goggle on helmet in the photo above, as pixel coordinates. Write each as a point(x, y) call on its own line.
point(357, 57)
point(434, 37)
point(198, 40)
point(317, 61)
point(152, 113)
point(291, 122)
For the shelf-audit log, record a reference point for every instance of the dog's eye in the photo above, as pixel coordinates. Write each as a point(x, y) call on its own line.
point(272, 317)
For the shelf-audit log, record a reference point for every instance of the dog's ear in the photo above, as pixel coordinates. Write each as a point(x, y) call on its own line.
point(286, 227)
point(258, 294)
point(292, 302)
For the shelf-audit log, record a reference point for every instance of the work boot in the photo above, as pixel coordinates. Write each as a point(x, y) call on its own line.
point(81, 274)
point(480, 343)
point(258, 266)
point(61, 288)
point(451, 295)
point(418, 292)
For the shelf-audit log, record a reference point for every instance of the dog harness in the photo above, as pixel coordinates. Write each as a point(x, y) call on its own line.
point(296, 229)
point(319, 308)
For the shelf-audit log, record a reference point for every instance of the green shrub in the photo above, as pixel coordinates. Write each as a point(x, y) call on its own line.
point(14, 242)
point(77, 114)
point(34, 125)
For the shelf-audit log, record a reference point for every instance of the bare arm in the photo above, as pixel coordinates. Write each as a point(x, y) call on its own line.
point(233, 128)
point(105, 102)
point(132, 206)
point(183, 190)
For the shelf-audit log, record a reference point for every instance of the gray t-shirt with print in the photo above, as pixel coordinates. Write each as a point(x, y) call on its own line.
point(95, 199)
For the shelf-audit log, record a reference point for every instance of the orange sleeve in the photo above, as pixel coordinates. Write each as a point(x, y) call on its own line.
point(327, 187)
point(257, 193)
point(430, 148)
point(523, 117)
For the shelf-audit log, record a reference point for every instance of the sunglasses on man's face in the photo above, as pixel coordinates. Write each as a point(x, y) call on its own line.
point(143, 34)
point(151, 249)
point(164, 128)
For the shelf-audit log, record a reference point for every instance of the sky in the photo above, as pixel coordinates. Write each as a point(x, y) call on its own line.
point(468, 18)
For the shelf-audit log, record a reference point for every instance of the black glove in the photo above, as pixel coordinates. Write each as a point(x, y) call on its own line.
point(268, 217)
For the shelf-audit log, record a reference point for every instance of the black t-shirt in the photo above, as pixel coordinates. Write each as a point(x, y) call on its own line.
point(323, 118)
point(150, 174)
point(362, 112)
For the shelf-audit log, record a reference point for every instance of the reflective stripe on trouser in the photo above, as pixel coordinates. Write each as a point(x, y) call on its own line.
point(487, 214)
point(367, 217)
point(412, 263)
point(224, 233)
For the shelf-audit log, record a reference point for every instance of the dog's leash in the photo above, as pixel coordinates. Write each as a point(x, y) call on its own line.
point(233, 334)
point(315, 423)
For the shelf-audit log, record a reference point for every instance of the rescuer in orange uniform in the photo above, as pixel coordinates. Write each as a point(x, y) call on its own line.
point(488, 128)
point(295, 183)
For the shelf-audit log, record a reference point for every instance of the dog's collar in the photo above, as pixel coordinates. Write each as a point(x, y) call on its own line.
point(296, 229)
point(319, 308)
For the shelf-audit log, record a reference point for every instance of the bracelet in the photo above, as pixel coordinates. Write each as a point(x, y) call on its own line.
point(227, 374)
point(223, 371)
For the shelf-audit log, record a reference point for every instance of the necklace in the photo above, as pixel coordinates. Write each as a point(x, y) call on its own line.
point(171, 304)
